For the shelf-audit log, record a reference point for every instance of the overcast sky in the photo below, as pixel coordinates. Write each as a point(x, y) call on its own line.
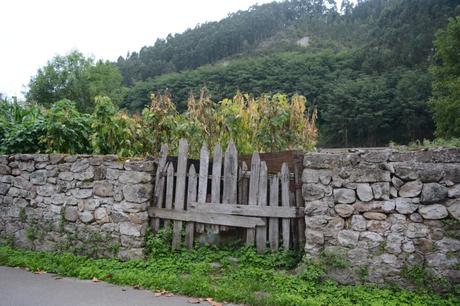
point(33, 31)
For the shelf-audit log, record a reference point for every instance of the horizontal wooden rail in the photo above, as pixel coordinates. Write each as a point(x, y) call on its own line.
point(206, 217)
point(247, 210)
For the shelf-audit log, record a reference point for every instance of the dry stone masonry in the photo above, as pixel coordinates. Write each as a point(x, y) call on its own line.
point(383, 212)
point(94, 205)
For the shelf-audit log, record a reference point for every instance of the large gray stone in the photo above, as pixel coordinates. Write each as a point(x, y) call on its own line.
point(317, 207)
point(454, 210)
point(5, 170)
point(314, 237)
point(137, 193)
point(348, 238)
point(433, 212)
point(38, 177)
point(82, 193)
point(373, 239)
point(314, 176)
point(80, 165)
point(46, 190)
point(4, 188)
point(417, 230)
point(376, 206)
point(86, 175)
point(130, 207)
point(101, 215)
point(397, 182)
point(344, 210)
point(364, 192)
point(358, 223)
point(381, 190)
point(71, 213)
point(314, 191)
point(344, 196)
point(410, 189)
point(66, 176)
point(134, 177)
point(374, 216)
point(432, 193)
point(405, 206)
point(378, 226)
point(103, 189)
point(143, 165)
point(454, 191)
point(86, 216)
point(22, 183)
point(130, 229)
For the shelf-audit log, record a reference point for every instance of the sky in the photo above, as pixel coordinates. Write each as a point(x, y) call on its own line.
point(32, 32)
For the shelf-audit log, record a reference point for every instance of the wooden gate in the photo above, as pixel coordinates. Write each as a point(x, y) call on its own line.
point(263, 203)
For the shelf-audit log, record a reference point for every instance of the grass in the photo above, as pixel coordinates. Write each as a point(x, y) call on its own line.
point(231, 275)
point(428, 144)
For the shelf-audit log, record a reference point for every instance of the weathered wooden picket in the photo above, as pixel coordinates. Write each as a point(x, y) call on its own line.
point(254, 199)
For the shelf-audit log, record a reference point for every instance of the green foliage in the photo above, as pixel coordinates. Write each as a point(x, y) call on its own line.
point(67, 130)
point(446, 85)
point(77, 78)
point(113, 132)
point(21, 127)
point(334, 260)
point(244, 276)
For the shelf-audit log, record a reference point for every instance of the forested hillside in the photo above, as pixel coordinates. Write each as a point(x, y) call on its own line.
point(365, 66)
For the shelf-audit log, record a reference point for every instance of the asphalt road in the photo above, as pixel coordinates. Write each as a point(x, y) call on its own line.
point(19, 287)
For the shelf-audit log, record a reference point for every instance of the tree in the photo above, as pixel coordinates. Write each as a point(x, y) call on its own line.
point(77, 78)
point(445, 103)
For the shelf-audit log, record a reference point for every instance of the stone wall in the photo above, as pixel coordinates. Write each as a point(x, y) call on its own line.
point(384, 212)
point(94, 205)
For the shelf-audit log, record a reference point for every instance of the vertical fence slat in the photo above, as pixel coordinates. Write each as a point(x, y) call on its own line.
point(261, 231)
point(299, 203)
point(191, 197)
point(230, 177)
point(285, 202)
point(243, 184)
point(216, 179)
point(180, 190)
point(273, 225)
point(169, 190)
point(253, 193)
point(203, 181)
point(159, 184)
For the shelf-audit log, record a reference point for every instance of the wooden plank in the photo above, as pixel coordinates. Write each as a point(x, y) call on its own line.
point(159, 184)
point(191, 197)
point(273, 223)
point(208, 218)
point(253, 193)
point(243, 184)
point(230, 174)
point(169, 190)
point(230, 194)
point(285, 202)
point(216, 179)
point(247, 210)
point(203, 180)
point(179, 201)
point(261, 231)
point(299, 203)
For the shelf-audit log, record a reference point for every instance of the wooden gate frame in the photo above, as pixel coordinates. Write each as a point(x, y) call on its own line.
point(259, 211)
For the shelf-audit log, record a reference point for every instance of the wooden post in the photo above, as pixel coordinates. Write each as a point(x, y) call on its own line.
point(285, 202)
point(169, 190)
point(216, 179)
point(253, 193)
point(243, 184)
point(299, 203)
point(230, 176)
point(203, 180)
point(274, 222)
point(261, 231)
point(180, 190)
point(191, 197)
point(159, 184)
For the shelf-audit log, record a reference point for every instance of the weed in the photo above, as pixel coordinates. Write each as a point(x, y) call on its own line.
point(22, 214)
point(244, 277)
point(334, 260)
point(363, 273)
